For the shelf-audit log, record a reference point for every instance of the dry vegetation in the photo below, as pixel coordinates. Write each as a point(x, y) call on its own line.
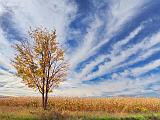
point(76, 108)
point(109, 105)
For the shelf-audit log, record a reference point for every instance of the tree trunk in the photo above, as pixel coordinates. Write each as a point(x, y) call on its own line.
point(43, 94)
point(46, 94)
point(43, 100)
point(46, 101)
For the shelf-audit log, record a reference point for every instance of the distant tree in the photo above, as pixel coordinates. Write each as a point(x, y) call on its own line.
point(40, 62)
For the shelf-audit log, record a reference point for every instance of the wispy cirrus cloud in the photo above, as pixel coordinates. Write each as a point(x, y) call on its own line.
point(116, 86)
point(123, 56)
point(120, 54)
point(111, 46)
point(117, 47)
point(113, 23)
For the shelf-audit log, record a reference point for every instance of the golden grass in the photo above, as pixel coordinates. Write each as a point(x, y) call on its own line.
point(109, 105)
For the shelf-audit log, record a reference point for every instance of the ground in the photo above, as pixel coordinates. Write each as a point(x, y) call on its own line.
point(61, 108)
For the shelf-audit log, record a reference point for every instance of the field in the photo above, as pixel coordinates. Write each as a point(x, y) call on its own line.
point(61, 108)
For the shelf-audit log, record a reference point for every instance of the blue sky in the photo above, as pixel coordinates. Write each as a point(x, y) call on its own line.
point(113, 45)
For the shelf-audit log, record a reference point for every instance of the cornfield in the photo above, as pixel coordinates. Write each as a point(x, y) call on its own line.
point(109, 105)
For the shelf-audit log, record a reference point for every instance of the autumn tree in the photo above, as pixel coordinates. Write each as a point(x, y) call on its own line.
point(40, 62)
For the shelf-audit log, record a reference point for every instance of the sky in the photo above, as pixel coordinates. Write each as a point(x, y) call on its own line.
point(113, 46)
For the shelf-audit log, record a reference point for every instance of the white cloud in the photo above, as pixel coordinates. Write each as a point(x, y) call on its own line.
point(142, 56)
point(58, 15)
point(141, 70)
point(112, 87)
point(51, 14)
point(86, 44)
point(5, 51)
point(120, 84)
point(127, 9)
point(115, 20)
point(117, 47)
point(117, 59)
point(12, 86)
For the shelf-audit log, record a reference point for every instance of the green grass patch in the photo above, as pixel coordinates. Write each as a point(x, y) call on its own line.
point(22, 113)
point(17, 117)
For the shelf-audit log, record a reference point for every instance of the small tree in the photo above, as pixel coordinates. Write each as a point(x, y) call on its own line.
point(40, 63)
